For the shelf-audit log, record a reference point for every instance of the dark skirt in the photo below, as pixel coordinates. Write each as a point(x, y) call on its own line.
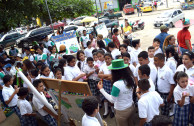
point(107, 87)
point(93, 87)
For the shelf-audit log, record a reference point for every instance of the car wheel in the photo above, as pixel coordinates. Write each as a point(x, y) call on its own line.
point(171, 25)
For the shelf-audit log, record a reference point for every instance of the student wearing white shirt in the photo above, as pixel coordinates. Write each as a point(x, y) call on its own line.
point(84, 39)
point(181, 98)
point(126, 57)
point(136, 49)
point(58, 74)
point(81, 60)
point(46, 72)
point(156, 45)
point(143, 59)
point(151, 51)
point(114, 51)
point(10, 96)
point(26, 108)
point(72, 72)
point(122, 92)
point(148, 104)
point(144, 73)
point(88, 50)
point(29, 55)
point(172, 58)
point(91, 107)
point(127, 43)
point(40, 107)
point(95, 57)
point(165, 82)
point(100, 55)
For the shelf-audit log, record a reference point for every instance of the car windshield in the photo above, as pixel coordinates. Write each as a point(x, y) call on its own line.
point(165, 15)
point(128, 6)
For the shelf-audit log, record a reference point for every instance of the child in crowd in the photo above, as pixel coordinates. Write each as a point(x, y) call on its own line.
point(45, 50)
point(165, 82)
point(115, 38)
point(143, 59)
point(105, 75)
point(156, 45)
point(89, 49)
point(114, 51)
point(127, 43)
point(148, 104)
point(29, 55)
point(181, 98)
point(161, 120)
point(84, 39)
point(62, 65)
point(126, 57)
point(10, 96)
point(46, 72)
point(100, 55)
point(90, 106)
point(136, 49)
point(172, 58)
point(26, 108)
point(40, 107)
point(95, 58)
point(53, 55)
point(72, 72)
point(92, 75)
point(34, 75)
point(101, 46)
point(151, 51)
point(81, 60)
point(58, 74)
point(8, 70)
point(40, 56)
point(119, 57)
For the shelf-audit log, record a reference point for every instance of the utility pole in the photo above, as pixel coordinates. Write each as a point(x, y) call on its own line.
point(100, 5)
point(49, 15)
point(97, 11)
point(167, 3)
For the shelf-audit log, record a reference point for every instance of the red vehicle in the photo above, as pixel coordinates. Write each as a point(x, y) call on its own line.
point(128, 9)
point(57, 24)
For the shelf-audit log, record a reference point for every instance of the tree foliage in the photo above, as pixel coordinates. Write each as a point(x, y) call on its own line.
point(16, 12)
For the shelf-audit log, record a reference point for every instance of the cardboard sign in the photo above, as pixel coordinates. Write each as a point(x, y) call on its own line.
point(102, 29)
point(69, 40)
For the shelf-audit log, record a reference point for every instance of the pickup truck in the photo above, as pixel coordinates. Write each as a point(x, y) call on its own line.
point(111, 15)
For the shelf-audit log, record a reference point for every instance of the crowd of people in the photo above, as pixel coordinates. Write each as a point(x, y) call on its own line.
point(122, 77)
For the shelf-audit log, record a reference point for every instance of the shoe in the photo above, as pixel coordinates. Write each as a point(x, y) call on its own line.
point(105, 116)
point(112, 114)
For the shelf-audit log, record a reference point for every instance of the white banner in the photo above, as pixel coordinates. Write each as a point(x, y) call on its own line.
point(102, 29)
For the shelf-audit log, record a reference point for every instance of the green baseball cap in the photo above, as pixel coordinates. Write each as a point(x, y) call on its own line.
point(117, 64)
point(186, 23)
point(163, 27)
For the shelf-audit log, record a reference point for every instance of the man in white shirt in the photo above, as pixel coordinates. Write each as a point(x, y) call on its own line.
point(84, 39)
point(91, 107)
point(148, 104)
point(114, 51)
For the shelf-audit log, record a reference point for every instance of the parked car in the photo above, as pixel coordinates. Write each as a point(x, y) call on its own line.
point(169, 18)
point(128, 9)
point(109, 23)
point(10, 39)
point(146, 7)
point(57, 24)
point(21, 30)
point(71, 28)
point(34, 35)
point(111, 15)
point(77, 21)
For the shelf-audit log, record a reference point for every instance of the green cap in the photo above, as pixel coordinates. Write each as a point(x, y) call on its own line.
point(186, 23)
point(163, 27)
point(117, 64)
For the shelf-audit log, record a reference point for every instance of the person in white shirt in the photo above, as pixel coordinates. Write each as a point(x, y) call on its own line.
point(29, 55)
point(172, 58)
point(10, 96)
point(148, 104)
point(81, 60)
point(72, 72)
point(95, 57)
point(136, 49)
point(144, 73)
point(89, 49)
point(40, 107)
point(143, 59)
point(165, 82)
point(114, 51)
point(121, 93)
point(100, 55)
point(181, 98)
point(127, 43)
point(151, 52)
point(90, 106)
point(26, 108)
point(156, 45)
point(58, 74)
point(126, 57)
point(46, 72)
point(84, 39)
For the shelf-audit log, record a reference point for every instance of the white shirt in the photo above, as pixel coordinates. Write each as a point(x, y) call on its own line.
point(172, 64)
point(72, 72)
point(7, 92)
point(51, 76)
point(136, 53)
point(121, 95)
point(82, 65)
point(89, 121)
point(24, 106)
point(101, 63)
point(104, 69)
point(39, 105)
point(148, 105)
point(88, 69)
point(152, 86)
point(115, 52)
point(165, 79)
point(132, 68)
point(88, 52)
point(158, 51)
point(129, 49)
point(191, 90)
point(133, 59)
point(178, 91)
point(151, 60)
point(85, 39)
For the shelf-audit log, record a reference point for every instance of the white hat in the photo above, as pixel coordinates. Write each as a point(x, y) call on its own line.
point(19, 55)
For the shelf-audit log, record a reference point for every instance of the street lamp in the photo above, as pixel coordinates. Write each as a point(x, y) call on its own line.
point(49, 15)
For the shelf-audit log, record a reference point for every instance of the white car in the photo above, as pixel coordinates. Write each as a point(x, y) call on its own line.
point(21, 30)
point(77, 21)
point(169, 18)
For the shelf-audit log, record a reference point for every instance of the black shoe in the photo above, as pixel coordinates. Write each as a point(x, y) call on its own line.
point(112, 114)
point(105, 116)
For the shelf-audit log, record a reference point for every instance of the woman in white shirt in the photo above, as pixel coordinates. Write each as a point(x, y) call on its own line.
point(122, 92)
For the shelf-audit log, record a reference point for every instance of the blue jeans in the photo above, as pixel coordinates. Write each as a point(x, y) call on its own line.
point(183, 50)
